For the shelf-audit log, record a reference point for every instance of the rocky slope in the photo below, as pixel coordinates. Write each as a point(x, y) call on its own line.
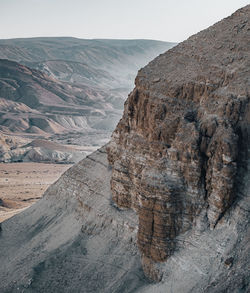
point(179, 169)
point(180, 151)
point(72, 240)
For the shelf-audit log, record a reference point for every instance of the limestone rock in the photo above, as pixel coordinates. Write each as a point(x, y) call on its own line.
point(178, 150)
point(180, 159)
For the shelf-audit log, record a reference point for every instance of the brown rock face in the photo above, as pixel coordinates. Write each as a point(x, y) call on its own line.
point(177, 150)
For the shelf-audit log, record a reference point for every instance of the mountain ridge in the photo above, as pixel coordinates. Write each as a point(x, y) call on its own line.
point(164, 207)
point(80, 95)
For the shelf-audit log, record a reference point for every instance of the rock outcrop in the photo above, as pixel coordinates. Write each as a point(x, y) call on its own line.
point(180, 159)
point(179, 150)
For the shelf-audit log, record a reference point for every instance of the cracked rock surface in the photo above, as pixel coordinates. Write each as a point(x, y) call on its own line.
point(178, 164)
point(180, 151)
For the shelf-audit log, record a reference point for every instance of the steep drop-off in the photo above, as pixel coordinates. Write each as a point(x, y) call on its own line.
point(180, 183)
point(184, 136)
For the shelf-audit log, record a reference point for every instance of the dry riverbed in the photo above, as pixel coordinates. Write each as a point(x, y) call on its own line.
point(22, 184)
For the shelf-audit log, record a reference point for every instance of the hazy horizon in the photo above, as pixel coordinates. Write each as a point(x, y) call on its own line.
point(162, 20)
point(90, 39)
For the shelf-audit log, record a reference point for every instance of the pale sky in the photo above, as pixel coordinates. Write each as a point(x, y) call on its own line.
point(167, 20)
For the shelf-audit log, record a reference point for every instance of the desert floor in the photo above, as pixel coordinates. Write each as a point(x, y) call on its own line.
point(22, 184)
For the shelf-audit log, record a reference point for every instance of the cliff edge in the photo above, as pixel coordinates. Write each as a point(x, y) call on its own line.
point(180, 152)
point(177, 208)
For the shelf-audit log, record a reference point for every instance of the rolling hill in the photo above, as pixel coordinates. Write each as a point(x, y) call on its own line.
point(68, 89)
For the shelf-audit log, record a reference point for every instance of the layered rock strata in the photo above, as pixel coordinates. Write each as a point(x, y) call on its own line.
point(183, 137)
point(175, 172)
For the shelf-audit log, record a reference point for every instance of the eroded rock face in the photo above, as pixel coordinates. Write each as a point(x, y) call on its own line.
point(176, 151)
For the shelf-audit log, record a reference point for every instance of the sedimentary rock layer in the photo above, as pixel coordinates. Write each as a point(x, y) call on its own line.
point(181, 143)
point(180, 158)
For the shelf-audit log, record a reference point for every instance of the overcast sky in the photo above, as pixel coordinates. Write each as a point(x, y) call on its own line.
point(167, 20)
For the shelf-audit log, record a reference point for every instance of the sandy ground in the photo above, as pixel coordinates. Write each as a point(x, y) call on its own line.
point(22, 184)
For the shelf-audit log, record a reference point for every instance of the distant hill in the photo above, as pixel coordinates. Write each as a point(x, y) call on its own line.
point(96, 52)
point(77, 59)
point(63, 87)
point(32, 103)
point(165, 206)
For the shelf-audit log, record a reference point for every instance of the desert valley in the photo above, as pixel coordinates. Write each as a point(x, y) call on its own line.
point(124, 164)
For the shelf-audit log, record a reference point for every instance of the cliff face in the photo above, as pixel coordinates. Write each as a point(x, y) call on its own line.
point(180, 158)
point(179, 153)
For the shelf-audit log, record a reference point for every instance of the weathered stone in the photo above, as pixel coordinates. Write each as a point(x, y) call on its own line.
point(175, 152)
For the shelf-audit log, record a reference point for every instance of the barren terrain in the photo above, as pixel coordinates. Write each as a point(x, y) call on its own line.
point(22, 184)
point(164, 206)
point(59, 103)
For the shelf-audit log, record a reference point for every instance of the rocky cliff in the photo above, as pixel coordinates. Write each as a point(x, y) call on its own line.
point(179, 152)
point(180, 182)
